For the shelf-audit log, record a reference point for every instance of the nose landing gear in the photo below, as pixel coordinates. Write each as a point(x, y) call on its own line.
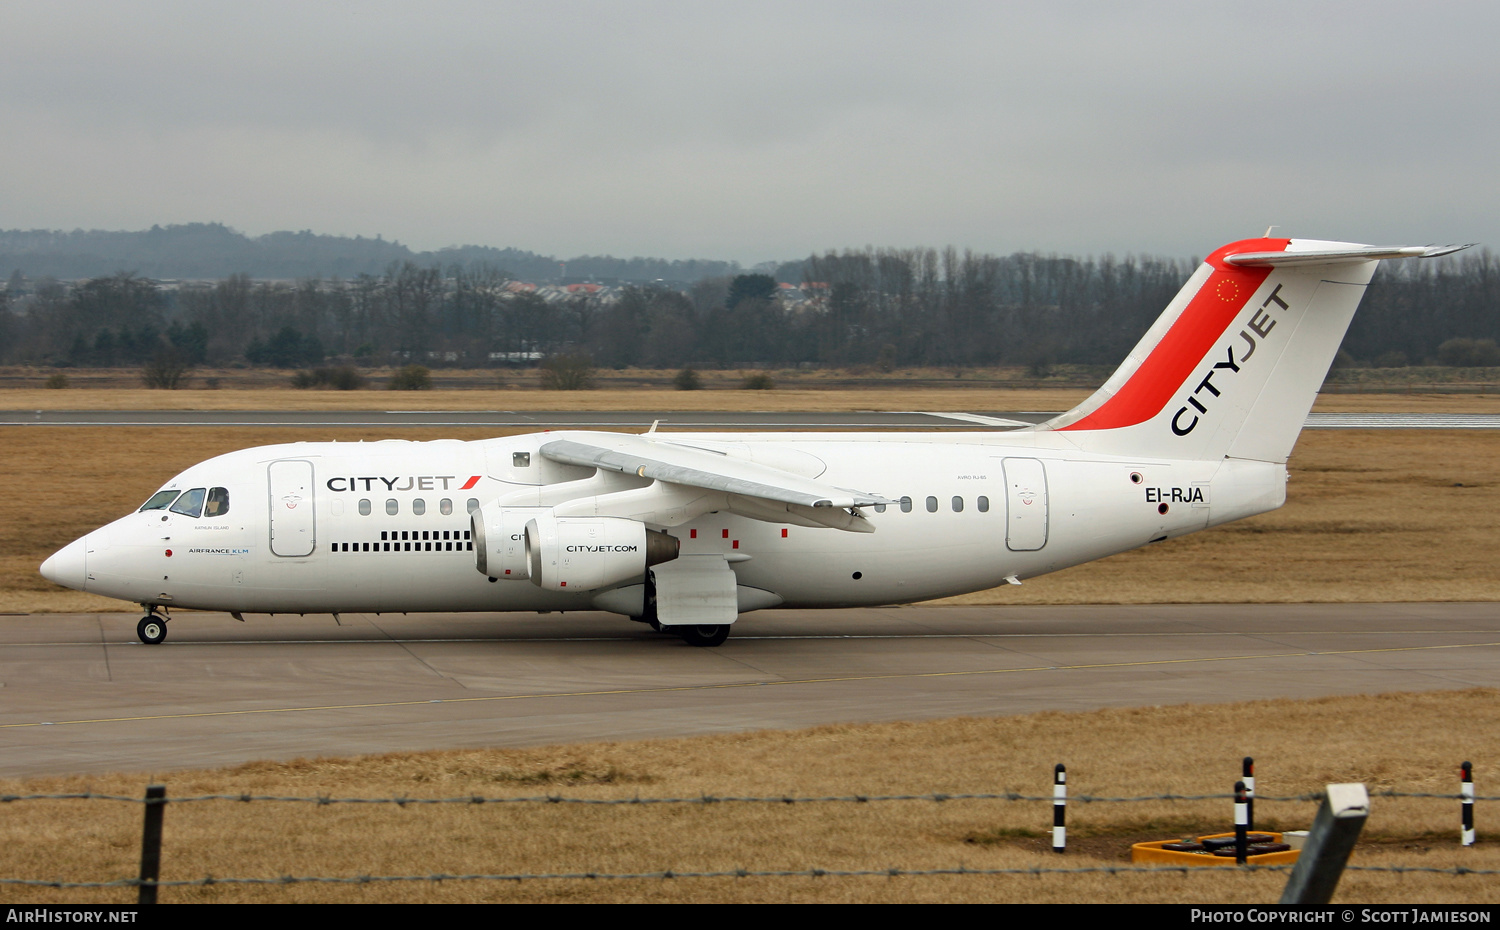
point(153, 627)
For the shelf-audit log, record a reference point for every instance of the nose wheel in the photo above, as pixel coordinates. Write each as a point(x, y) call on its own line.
point(152, 629)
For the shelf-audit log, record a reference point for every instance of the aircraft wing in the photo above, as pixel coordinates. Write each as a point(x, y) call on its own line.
point(675, 464)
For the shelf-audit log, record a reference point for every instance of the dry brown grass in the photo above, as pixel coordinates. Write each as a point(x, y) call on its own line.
point(895, 396)
point(1372, 516)
point(1408, 742)
point(808, 397)
point(1407, 403)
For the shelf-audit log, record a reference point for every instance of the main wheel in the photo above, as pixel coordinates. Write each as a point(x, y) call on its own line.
point(705, 634)
point(152, 629)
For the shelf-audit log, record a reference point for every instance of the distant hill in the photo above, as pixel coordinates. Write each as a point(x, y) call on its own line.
point(214, 251)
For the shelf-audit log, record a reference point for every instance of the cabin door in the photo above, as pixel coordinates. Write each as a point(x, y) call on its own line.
point(293, 530)
point(1025, 504)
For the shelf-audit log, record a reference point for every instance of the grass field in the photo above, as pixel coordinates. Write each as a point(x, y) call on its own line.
point(1406, 742)
point(974, 396)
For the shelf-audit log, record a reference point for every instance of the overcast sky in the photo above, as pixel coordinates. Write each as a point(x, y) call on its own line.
point(755, 131)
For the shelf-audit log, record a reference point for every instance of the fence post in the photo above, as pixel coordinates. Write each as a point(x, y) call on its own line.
point(1241, 824)
point(156, 803)
point(1247, 775)
point(1466, 789)
point(1059, 808)
point(1340, 818)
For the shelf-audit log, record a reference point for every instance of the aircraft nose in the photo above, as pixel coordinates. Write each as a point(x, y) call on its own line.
point(66, 566)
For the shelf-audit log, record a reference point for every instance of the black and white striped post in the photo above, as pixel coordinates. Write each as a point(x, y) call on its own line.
point(1466, 790)
point(1247, 775)
point(1241, 824)
point(1059, 808)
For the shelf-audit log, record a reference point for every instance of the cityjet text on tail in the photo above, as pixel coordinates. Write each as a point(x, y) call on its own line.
point(689, 531)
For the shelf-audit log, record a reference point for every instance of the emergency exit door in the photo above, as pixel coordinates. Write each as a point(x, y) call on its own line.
point(1025, 504)
point(293, 527)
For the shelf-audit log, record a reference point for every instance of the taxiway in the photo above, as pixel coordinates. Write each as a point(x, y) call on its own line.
point(79, 693)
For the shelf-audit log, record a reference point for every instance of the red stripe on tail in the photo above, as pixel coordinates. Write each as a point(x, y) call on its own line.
point(1183, 347)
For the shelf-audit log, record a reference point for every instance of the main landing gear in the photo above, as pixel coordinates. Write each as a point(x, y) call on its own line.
point(153, 627)
point(703, 634)
point(699, 634)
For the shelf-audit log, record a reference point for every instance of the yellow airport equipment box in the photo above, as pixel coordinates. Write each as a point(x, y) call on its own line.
point(1211, 850)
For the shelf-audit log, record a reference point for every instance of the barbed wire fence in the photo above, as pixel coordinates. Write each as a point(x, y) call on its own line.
point(155, 802)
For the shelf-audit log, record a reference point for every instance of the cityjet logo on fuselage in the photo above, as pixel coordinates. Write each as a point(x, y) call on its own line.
point(403, 483)
point(1260, 324)
point(601, 548)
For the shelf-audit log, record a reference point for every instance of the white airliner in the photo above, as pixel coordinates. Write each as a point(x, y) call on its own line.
point(687, 531)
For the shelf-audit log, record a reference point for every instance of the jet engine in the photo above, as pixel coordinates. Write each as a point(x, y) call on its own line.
point(588, 553)
point(500, 540)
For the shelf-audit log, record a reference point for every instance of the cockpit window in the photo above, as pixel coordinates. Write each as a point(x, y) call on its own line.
point(190, 504)
point(160, 500)
point(218, 502)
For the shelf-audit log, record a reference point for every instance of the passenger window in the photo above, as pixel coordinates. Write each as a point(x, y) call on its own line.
point(364, 507)
point(521, 459)
point(159, 500)
point(190, 504)
point(419, 506)
point(906, 505)
point(984, 504)
point(218, 502)
point(958, 504)
point(473, 504)
point(931, 504)
point(445, 507)
point(391, 507)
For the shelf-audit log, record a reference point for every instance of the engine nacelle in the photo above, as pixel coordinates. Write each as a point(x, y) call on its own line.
point(588, 553)
point(500, 540)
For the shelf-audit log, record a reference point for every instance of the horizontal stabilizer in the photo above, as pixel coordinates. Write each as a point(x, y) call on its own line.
point(1339, 256)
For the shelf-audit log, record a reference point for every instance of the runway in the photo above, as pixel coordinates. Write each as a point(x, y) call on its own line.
point(79, 693)
point(670, 420)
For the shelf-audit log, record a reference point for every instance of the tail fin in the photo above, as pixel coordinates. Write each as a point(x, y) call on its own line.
point(1233, 365)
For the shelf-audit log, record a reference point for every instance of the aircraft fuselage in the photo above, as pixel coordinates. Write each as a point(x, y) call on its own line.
point(385, 526)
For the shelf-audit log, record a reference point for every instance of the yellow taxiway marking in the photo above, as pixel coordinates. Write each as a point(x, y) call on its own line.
point(745, 684)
